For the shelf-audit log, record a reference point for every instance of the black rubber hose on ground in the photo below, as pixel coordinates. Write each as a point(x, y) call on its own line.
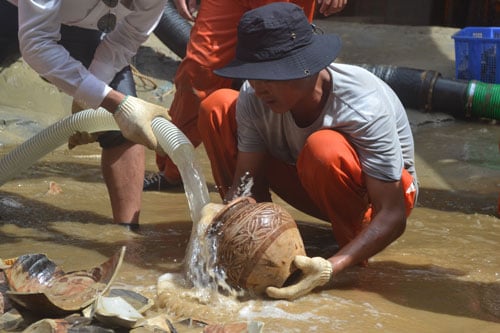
point(450, 96)
point(173, 30)
point(411, 85)
point(427, 90)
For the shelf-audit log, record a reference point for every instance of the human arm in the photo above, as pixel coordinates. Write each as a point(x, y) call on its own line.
point(186, 8)
point(133, 115)
point(39, 33)
point(329, 7)
point(388, 223)
point(119, 46)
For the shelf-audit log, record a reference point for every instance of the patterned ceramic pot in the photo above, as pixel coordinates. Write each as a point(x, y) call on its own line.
point(256, 244)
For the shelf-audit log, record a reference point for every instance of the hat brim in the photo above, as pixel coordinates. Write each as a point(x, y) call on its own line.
point(305, 62)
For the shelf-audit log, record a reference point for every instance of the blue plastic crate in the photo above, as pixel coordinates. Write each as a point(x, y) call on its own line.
point(476, 56)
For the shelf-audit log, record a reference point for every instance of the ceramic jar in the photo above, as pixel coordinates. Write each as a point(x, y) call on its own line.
point(256, 244)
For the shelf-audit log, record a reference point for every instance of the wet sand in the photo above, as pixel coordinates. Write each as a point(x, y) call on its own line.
point(442, 275)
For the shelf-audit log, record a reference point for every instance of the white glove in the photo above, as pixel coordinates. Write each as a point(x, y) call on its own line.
point(80, 138)
point(315, 272)
point(134, 117)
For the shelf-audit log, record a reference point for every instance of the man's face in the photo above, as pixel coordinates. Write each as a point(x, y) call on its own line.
point(280, 96)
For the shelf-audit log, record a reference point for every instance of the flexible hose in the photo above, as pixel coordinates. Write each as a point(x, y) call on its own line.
point(20, 158)
point(485, 100)
point(429, 91)
point(173, 30)
point(411, 85)
point(178, 147)
point(449, 96)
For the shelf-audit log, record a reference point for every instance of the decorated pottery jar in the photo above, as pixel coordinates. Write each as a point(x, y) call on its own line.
point(256, 244)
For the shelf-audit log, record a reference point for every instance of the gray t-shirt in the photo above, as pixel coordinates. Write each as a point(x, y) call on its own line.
point(361, 106)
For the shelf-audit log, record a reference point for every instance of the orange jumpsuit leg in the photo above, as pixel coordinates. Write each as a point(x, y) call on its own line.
point(212, 45)
point(330, 171)
point(217, 126)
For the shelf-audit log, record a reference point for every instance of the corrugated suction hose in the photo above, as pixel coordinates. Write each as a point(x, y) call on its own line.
point(171, 139)
point(427, 90)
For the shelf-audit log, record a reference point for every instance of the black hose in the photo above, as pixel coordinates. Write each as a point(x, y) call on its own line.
point(427, 90)
point(424, 89)
point(450, 96)
point(413, 86)
point(417, 89)
point(173, 30)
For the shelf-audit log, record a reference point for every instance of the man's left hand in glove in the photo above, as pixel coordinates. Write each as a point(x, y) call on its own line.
point(80, 138)
point(316, 272)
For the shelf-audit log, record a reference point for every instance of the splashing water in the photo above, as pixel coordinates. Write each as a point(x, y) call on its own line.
point(200, 259)
point(195, 185)
point(201, 255)
point(245, 187)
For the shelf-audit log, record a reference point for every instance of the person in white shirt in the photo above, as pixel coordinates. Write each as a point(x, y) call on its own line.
point(85, 48)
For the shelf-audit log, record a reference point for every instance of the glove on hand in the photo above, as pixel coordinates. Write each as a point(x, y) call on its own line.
point(134, 117)
point(80, 138)
point(315, 272)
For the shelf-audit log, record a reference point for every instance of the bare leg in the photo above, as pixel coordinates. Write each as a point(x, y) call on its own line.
point(123, 170)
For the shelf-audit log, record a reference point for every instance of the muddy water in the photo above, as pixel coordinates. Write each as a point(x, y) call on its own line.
point(442, 275)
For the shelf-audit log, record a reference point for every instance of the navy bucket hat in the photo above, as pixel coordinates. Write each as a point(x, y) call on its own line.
point(277, 42)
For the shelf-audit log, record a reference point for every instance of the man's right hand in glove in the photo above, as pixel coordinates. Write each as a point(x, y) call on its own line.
point(134, 117)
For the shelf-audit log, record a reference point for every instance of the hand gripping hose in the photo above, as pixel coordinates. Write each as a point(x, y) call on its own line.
point(169, 137)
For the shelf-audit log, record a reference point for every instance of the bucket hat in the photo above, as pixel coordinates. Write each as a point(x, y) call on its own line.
point(277, 42)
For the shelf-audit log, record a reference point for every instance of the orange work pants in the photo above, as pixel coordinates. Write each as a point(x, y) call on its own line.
point(327, 182)
point(212, 45)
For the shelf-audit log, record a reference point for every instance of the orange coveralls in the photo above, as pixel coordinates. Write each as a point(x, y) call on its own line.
point(327, 182)
point(212, 45)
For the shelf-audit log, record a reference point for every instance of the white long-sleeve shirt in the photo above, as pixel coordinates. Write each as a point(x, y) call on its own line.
point(39, 31)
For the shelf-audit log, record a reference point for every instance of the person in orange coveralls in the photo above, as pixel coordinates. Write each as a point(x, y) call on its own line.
point(332, 140)
point(211, 45)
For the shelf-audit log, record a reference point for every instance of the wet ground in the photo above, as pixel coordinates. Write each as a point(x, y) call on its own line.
point(442, 275)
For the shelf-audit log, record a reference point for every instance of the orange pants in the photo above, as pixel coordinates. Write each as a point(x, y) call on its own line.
point(212, 45)
point(327, 182)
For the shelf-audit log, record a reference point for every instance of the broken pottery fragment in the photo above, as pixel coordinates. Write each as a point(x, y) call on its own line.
point(37, 284)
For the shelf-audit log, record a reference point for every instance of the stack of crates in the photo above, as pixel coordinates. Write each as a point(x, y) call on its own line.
point(476, 54)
